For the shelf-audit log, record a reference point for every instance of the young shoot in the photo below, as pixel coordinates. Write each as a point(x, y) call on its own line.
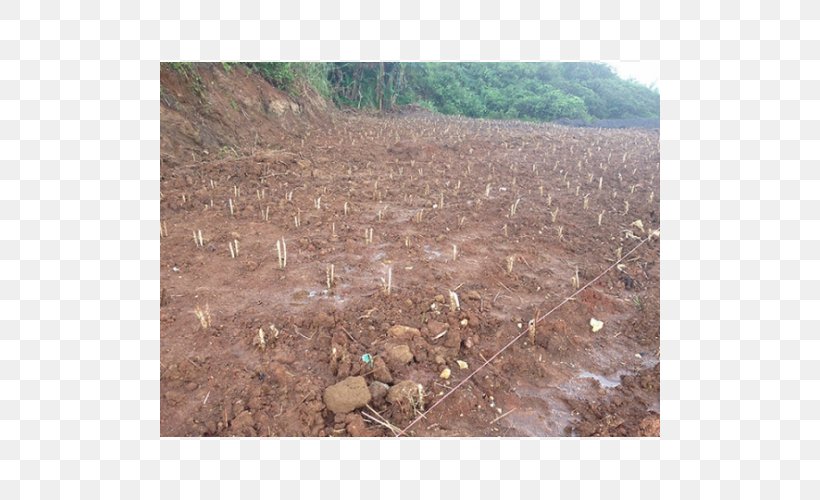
point(387, 285)
point(455, 305)
point(329, 275)
point(282, 252)
point(204, 316)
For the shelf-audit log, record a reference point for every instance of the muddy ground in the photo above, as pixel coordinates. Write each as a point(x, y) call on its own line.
point(500, 213)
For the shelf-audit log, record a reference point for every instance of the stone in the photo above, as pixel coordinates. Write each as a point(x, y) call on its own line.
point(378, 390)
point(347, 395)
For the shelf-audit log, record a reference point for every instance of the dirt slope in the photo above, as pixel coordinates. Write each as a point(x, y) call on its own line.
point(208, 112)
point(501, 213)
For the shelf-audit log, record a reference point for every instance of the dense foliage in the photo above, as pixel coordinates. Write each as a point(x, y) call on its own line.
point(529, 91)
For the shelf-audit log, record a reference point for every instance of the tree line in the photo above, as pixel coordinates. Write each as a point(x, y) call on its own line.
point(543, 91)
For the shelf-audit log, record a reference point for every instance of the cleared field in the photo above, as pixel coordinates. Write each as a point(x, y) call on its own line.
point(461, 230)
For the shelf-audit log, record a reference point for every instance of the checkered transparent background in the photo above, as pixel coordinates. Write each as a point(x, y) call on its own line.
point(79, 251)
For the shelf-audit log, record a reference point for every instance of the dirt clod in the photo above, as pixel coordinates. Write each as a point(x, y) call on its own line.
point(347, 395)
point(381, 372)
point(402, 332)
point(400, 354)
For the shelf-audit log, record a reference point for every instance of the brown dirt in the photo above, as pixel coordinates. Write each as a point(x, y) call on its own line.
point(222, 380)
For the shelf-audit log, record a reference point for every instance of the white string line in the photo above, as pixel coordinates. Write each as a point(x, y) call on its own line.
point(521, 334)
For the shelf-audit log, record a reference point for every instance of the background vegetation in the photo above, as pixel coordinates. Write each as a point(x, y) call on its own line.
point(578, 92)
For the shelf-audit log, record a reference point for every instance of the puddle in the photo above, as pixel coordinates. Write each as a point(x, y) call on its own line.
point(605, 382)
point(430, 251)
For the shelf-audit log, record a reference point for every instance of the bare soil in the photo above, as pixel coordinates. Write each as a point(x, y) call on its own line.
point(268, 341)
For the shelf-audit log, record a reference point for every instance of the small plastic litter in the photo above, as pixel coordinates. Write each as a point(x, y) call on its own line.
point(595, 324)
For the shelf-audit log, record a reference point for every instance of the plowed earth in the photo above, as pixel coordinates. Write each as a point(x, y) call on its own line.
point(439, 195)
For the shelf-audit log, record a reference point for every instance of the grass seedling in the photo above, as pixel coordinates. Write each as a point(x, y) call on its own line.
point(230, 205)
point(554, 215)
point(234, 248)
point(651, 196)
point(576, 280)
point(347, 208)
point(461, 221)
point(626, 207)
point(487, 191)
point(586, 202)
point(163, 230)
point(318, 203)
point(368, 236)
point(510, 263)
point(600, 183)
point(560, 233)
point(549, 199)
point(600, 217)
point(455, 252)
